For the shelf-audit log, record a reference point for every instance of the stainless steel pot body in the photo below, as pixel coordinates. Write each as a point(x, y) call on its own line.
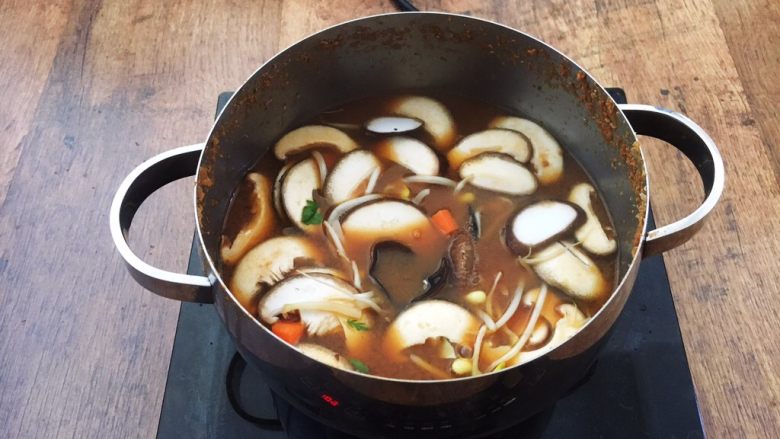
point(408, 52)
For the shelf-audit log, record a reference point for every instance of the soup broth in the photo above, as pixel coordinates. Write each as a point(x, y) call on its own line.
point(420, 238)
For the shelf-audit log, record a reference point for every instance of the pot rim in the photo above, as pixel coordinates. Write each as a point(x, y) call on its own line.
point(636, 249)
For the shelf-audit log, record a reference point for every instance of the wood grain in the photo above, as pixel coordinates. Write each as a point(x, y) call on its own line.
point(84, 351)
point(92, 88)
point(753, 38)
point(22, 81)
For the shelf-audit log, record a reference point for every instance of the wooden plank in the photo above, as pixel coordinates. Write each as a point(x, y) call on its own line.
point(84, 351)
point(753, 37)
point(301, 18)
point(27, 58)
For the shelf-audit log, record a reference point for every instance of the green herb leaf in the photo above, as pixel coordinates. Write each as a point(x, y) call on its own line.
point(311, 213)
point(357, 325)
point(358, 365)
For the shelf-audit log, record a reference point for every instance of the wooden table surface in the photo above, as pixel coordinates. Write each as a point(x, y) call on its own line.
point(90, 89)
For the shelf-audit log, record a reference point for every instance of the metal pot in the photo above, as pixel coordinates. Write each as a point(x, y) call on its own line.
point(420, 51)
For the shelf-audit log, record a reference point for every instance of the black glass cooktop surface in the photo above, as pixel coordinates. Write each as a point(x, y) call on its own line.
point(640, 386)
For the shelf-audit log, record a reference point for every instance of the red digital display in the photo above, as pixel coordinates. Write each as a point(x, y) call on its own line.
point(330, 400)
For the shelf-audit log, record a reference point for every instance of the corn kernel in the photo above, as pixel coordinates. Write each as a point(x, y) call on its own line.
point(461, 366)
point(466, 197)
point(476, 297)
point(405, 192)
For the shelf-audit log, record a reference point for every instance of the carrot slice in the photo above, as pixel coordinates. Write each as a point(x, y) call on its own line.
point(291, 332)
point(444, 221)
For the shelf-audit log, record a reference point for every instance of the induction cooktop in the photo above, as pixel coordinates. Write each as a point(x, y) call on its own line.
point(639, 387)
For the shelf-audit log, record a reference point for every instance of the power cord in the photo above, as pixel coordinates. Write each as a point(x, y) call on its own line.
point(405, 6)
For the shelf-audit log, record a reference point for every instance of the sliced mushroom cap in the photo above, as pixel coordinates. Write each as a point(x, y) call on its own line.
point(547, 157)
point(311, 136)
point(594, 238)
point(550, 306)
point(436, 119)
point(393, 124)
point(387, 219)
point(267, 264)
point(540, 335)
point(539, 224)
point(570, 270)
point(324, 355)
point(349, 174)
point(315, 296)
point(492, 140)
point(410, 153)
point(572, 321)
point(296, 189)
point(430, 319)
point(498, 173)
point(278, 190)
point(259, 227)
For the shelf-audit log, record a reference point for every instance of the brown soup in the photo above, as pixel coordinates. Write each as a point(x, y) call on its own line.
point(420, 238)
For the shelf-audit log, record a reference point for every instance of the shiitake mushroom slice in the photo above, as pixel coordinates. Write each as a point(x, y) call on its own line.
point(491, 140)
point(325, 355)
point(308, 288)
point(565, 267)
point(349, 174)
point(540, 335)
point(267, 263)
point(592, 234)
point(547, 158)
point(297, 186)
point(498, 172)
point(312, 136)
point(436, 119)
point(429, 319)
point(259, 226)
point(388, 219)
point(412, 154)
point(393, 124)
point(541, 223)
point(570, 323)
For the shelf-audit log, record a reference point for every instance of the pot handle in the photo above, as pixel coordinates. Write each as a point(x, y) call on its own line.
point(688, 137)
point(149, 176)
